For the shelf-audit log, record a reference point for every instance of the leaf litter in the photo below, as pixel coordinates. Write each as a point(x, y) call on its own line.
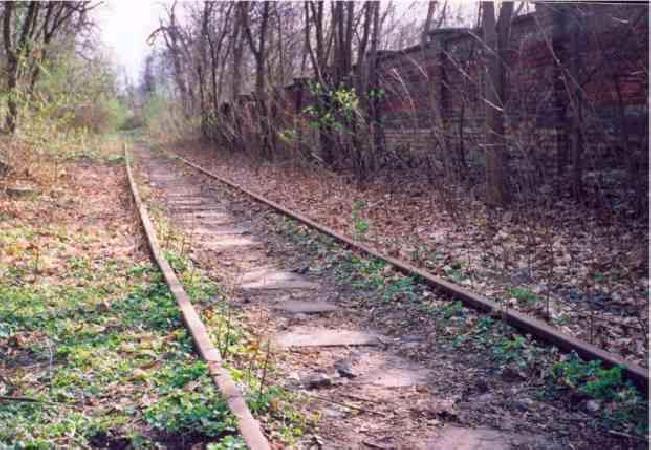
point(92, 349)
point(584, 272)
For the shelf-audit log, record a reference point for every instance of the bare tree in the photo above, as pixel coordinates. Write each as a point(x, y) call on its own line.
point(496, 35)
point(260, 53)
point(28, 29)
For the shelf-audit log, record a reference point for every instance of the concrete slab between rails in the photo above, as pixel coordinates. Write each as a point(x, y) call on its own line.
point(168, 184)
point(184, 193)
point(203, 217)
point(216, 230)
point(224, 243)
point(172, 198)
point(201, 214)
point(276, 279)
point(187, 202)
point(187, 223)
point(482, 438)
point(249, 428)
point(315, 337)
point(304, 307)
point(194, 199)
point(192, 208)
point(280, 285)
point(374, 368)
point(158, 179)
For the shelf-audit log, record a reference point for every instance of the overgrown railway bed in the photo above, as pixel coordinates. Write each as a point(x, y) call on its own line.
point(376, 359)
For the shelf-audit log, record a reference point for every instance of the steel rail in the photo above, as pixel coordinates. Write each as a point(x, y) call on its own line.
point(248, 426)
point(520, 321)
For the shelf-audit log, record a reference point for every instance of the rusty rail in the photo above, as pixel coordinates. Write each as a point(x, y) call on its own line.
point(248, 426)
point(522, 322)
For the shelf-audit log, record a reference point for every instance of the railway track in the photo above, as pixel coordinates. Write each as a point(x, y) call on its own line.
point(249, 428)
point(524, 323)
point(361, 380)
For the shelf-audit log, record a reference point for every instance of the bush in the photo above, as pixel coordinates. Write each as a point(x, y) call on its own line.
point(103, 116)
point(164, 118)
point(73, 96)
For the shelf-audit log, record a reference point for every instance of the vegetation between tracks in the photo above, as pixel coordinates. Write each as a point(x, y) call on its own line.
point(247, 357)
point(616, 403)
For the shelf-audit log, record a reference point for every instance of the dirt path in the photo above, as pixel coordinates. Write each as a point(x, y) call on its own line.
point(370, 377)
point(584, 273)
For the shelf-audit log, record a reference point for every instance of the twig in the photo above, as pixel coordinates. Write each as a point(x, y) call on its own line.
point(228, 332)
point(591, 323)
point(264, 367)
point(626, 435)
point(7, 398)
point(374, 445)
point(251, 363)
point(50, 361)
point(345, 404)
point(219, 329)
point(357, 397)
point(38, 255)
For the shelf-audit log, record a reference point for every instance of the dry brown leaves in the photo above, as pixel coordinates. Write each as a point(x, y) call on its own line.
point(585, 274)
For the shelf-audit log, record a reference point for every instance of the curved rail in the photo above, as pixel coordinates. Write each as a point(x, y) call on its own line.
point(248, 426)
point(522, 322)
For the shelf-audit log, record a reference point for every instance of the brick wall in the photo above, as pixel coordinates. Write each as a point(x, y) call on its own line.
point(575, 72)
point(555, 52)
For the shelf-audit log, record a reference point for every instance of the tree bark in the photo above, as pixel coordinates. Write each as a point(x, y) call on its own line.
point(14, 53)
point(12, 67)
point(238, 48)
point(259, 51)
point(496, 35)
point(374, 83)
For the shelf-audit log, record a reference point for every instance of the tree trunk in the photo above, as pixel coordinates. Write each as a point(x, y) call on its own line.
point(241, 13)
point(12, 68)
point(238, 49)
point(12, 105)
point(260, 55)
point(374, 83)
point(495, 40)
point(201, 69)
point(577, 118)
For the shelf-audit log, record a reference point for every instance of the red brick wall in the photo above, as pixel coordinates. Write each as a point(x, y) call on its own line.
point(602, 44)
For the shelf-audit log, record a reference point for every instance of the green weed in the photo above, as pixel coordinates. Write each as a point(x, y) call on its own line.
point(402, 288)
point(241, 353)
point(360, 225)
point(626, 409)
point(200, 410)
point(228, 443)
point(360, 273)
point(523, 296)
point(100, 341)
point(455, 272)
point(511, 349)
point(589, 377)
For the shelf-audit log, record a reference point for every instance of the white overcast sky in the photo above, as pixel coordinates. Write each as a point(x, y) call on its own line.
point(124, 26)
